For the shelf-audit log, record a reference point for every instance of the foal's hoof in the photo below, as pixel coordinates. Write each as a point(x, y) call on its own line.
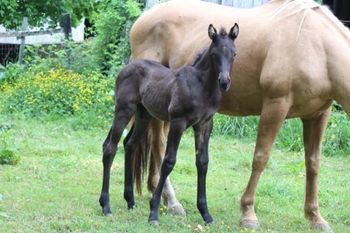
point(154, 222)
point(106, 211)
point(208, 219)
point(250, 224)
point(209, 223)
point(176, 209)
point(324, 227)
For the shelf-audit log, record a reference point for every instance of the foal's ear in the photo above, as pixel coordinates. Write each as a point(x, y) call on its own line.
point(212, 32)
point(234, 31)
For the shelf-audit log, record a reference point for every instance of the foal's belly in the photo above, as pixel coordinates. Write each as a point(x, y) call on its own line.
point(156, 103)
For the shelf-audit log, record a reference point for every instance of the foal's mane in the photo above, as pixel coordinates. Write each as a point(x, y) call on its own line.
point(222, 32)
point(199, 57)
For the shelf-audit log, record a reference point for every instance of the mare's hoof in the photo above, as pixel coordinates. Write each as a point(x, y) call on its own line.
point(250, 224)
point(324, 227)
point(154, 222)
point(176, 209)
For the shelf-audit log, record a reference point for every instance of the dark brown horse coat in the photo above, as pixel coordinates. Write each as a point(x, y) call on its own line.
point(185, 97)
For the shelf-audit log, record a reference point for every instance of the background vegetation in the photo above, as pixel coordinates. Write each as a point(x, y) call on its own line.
point(77, 79)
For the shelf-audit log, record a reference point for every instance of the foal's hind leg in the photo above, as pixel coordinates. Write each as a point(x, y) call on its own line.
point(142, 120)
point(122, 117)
point(273, 113)
point(313, 133)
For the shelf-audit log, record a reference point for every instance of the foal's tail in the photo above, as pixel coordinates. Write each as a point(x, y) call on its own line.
point(140, 159)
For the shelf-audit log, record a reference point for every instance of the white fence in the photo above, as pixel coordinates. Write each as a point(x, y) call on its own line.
point(233, 3)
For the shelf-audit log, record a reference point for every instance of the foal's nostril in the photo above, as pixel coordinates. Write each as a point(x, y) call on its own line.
point(224, 81)
point(224, 85)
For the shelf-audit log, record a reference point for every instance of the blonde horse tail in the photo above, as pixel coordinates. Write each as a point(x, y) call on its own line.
point(140, 159)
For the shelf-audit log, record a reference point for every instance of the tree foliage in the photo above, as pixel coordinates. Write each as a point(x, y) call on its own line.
point(40, 12)
point(112, 21)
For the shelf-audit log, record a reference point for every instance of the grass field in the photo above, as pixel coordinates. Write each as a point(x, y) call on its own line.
point(56, 185)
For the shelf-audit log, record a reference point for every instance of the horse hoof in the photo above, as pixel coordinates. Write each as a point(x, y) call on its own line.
point(154, 222)
point(106, 211)
point(209, 223)
point(324, 227)
point(176, 209)
point(250, 224)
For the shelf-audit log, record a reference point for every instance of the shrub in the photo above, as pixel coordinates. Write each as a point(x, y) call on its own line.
point(8, 157)
point(112, 23)
point(337, 138)
point(290, 136)
point(238, 127)
point(57, 91)
point(7, 146)
point(73, 56)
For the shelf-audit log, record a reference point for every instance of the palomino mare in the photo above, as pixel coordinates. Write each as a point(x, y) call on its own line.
point(186, 97)
point(296, 61)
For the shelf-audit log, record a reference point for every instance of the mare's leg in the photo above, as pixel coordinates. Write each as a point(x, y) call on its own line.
point(159, 131)
point(142, 119)
point(122, 116)
point(273, 112)
point(313, 133)
point(177, 127)
point(202, 135)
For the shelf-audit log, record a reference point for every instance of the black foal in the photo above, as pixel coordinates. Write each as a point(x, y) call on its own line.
point(185, 97)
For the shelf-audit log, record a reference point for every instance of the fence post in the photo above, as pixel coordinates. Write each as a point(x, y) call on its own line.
point(23, 38)
point(67, 26)
point(67, 29)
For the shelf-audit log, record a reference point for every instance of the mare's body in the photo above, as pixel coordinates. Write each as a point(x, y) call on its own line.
point(296, 62)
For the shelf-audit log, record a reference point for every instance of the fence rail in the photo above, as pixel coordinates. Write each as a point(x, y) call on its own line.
point(30, 33)
point(21, 35)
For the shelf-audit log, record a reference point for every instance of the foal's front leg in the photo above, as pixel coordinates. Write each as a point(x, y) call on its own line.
point(177, 127)
point(202, 135)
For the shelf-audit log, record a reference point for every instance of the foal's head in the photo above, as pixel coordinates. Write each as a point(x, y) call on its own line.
point(222, 52)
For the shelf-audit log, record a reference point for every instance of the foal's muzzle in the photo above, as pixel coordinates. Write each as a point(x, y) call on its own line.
point(224, 81)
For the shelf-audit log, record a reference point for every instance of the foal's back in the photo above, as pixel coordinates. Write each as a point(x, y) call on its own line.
point(158, 88)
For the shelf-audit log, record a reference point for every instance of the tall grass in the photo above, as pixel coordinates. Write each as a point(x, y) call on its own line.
point(336, 141)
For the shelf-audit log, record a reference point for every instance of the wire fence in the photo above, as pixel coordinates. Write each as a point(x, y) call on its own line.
point(12, 52)
point(8, 53)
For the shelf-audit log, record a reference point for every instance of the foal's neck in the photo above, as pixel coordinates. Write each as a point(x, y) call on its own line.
point(207, 70)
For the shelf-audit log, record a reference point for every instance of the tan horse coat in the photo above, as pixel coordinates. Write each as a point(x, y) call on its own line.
point(293, 60)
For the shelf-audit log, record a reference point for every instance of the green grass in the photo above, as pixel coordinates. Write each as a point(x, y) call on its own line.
point(56, 185)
